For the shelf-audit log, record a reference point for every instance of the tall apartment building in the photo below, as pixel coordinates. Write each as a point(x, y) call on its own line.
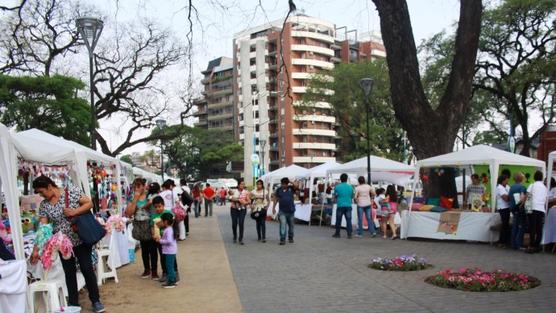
point(272, 122)
point(215, 110)
point(269, 101)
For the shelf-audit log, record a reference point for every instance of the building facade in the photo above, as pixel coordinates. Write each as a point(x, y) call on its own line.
point(270, 77)
point(273, 64)
point(215, 110)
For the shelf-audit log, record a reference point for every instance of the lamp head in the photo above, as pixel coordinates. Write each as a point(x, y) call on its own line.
point(90, 29)
point(367, 85)
point(161, 123)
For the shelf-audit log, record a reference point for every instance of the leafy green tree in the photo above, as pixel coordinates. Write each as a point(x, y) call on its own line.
point(198, 152)
point(349, 109)
point(47, 103)
point(517, 63)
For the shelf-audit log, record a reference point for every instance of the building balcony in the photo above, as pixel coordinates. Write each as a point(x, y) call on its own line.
point(315, 118)
point(318, 63)
point(314, 35)
point(318, 105)
point(312, 159)
point(336, 60)
point(313, 49)
point(222, 116)
point(315, 132)
point(314, 145)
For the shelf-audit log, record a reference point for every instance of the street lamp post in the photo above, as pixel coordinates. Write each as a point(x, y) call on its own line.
point(161, 124)
point(90, 29)
point(262, 143)
point(367, 86)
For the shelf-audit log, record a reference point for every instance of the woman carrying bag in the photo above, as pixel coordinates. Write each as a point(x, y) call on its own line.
point(140, 209)
point(60, 207)
point(259, 208)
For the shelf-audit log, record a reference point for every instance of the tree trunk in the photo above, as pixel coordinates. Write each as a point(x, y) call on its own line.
point(431, 132)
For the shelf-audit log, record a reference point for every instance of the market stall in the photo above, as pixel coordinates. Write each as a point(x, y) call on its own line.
point(382, 170)
point(549, 235)
point(435, 218)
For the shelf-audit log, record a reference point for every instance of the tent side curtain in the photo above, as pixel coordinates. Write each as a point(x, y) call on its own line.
point(8, 179)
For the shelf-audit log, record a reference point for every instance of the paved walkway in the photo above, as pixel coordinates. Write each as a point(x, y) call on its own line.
point(207, 284)
point(322, 274)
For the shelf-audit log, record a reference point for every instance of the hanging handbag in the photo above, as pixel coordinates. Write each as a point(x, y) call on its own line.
point(86, 226)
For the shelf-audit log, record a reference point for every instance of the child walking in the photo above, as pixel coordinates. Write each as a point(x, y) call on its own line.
point(169, 248)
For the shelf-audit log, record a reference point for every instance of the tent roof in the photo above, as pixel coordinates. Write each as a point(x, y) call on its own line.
point(378, 164)
point(480, 154)
point(292, 171)
point(320, 170)
point(36, 145)
point(381, 169)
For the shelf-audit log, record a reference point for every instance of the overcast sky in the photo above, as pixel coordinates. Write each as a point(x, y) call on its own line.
point(219, 20)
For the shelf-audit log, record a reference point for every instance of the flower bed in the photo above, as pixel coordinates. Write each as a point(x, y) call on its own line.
point(401, 263)
point(474, 279)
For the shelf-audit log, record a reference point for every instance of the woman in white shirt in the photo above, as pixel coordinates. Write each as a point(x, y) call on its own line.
point(538, 193)
point(363, 193)
point(503, 206)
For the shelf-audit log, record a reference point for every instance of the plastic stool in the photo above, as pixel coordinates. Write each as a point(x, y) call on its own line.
point(102, 273)
point(52, 294)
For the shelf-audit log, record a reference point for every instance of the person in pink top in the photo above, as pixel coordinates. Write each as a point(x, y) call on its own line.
point(363, 194)
point(392, 196)
point(169, 248)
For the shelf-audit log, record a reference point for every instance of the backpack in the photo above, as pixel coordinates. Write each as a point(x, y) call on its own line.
point(186, 198)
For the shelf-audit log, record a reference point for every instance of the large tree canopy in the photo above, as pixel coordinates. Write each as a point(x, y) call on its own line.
point(198, 152)
point(46, 103)
point(349, 107)
point(432, 129)
point(517, 64)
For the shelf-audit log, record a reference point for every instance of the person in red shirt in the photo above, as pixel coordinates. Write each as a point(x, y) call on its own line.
point(209, 194)
point(222, 194)
point(196, 193)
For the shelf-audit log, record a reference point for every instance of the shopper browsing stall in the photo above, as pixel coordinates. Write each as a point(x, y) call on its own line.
point(140, 209)
point(363, 194)
point(58, 207)
point(503, 207)
point(343, 193)
point(539, 194)
point(517, 196)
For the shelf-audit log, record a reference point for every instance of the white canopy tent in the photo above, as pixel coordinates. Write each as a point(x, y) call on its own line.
point(381, 170)
point(319, 171)
point(151, 177)
point(292, 172)
point(480, 155)
point(472, 225)
point(34, 145)
point(8, 183)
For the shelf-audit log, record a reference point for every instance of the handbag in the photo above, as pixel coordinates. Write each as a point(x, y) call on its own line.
point(179, 212)
point(86, 226)
point(141, 230)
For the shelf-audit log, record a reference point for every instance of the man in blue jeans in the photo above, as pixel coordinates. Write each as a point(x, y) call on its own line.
point(344, 199)
point(284, 195)
point(518, 191)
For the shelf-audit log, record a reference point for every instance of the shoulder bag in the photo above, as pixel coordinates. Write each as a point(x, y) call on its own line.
point(86, 226)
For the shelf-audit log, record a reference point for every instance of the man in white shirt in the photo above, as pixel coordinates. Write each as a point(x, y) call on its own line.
point(539, 194)
point(503, 207)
